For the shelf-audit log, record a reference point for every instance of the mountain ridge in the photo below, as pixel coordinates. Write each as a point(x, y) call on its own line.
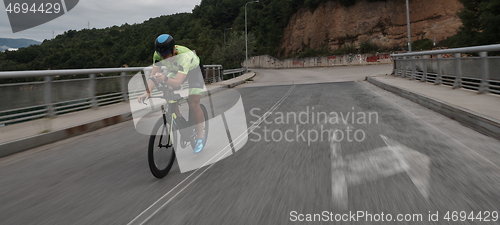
point(16, 43)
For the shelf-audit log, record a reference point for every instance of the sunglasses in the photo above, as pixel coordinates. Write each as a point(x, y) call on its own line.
point(164, 52)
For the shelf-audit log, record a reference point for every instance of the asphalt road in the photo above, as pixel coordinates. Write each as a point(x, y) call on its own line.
point(394, 158)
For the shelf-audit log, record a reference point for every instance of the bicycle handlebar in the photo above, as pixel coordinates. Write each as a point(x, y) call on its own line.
point(169, 96)
point(168, 92)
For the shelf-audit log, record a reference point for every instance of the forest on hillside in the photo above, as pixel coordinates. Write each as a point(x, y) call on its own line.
point(203, 31)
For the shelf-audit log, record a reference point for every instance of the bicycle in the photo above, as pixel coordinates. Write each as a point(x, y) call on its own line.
point(161, 154)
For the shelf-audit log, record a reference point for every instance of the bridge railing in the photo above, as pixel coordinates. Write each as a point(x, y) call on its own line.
point(470, 68)
point(54, 92)
point(232, 73)
point(213, 73)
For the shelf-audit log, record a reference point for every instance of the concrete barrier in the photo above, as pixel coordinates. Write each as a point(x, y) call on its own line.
point(269, 62)
point(16, 146)
point(481, 123)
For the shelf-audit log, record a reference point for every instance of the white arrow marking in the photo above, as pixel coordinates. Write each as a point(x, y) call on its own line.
point(373, 165)
point(419, 165)
point(376, 164)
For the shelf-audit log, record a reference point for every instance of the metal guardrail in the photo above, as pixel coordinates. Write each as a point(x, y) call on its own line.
point(34, 100)
point(56, 94)
point(453, 67)
point(234, 72)
point(213, 73)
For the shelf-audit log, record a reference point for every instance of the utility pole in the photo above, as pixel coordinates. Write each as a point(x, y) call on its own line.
point(88, 25)
point(246, 36)
point(408, 25)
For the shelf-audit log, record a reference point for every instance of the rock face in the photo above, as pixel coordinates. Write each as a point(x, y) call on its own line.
point(381, 22)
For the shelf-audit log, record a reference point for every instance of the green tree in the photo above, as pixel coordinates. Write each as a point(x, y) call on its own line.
point(423, 44)
point(368, 47)
point(480, 24)
point(231, 55)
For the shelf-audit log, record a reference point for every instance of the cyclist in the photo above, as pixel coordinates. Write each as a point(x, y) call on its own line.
point(182, 64)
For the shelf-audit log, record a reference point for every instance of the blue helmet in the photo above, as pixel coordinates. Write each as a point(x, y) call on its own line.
point(164, 44)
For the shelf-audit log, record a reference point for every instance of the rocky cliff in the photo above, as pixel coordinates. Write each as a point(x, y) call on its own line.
point(381, 22)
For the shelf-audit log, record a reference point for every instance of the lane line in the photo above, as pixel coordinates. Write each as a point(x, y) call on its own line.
point(339, 182)
point(239, 139)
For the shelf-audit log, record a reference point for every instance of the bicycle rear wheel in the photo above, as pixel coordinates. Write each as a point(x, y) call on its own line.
point(161, 154)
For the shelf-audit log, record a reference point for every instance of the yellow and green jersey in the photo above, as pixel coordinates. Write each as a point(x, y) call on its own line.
point(185, 61)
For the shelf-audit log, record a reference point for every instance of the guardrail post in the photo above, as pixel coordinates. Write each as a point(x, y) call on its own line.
point(483, 87)
point(400, 66)
point(412, 68)
point(215, 72)
point(405, 67)
point(213, 75)
point(92, 90)
point(458, 70)
point(394, 68)
point(424, 69)
point(48, 96)
point(124, 86)
point(438, 78)
point(219, 71)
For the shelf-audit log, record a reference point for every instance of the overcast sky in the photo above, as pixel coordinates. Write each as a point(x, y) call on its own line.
point(100, 14)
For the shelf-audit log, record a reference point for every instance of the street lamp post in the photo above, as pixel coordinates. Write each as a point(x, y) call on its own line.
point(225, 34)
point(246, 35)
point(408, 25)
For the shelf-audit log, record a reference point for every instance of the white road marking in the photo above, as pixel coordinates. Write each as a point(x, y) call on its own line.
point(376, 164)
point(418, 165)
point(339, 183)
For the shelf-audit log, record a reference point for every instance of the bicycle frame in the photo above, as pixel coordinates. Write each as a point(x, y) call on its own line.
point(171, 104)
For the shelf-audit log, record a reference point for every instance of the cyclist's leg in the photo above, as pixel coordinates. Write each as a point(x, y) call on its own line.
point(196, 84)
point(195, 112)
point(176, 109)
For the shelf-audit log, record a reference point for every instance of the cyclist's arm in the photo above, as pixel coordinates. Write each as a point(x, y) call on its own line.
point(182, 63)
point(146, 94)
point(177, 80)
point(155, 69)
point(183, 66)
point(150, 84)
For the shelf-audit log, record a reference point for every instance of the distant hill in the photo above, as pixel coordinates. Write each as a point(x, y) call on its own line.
point(6, 43)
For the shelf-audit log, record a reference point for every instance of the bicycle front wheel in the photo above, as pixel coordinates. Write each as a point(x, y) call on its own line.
point(161, 153)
